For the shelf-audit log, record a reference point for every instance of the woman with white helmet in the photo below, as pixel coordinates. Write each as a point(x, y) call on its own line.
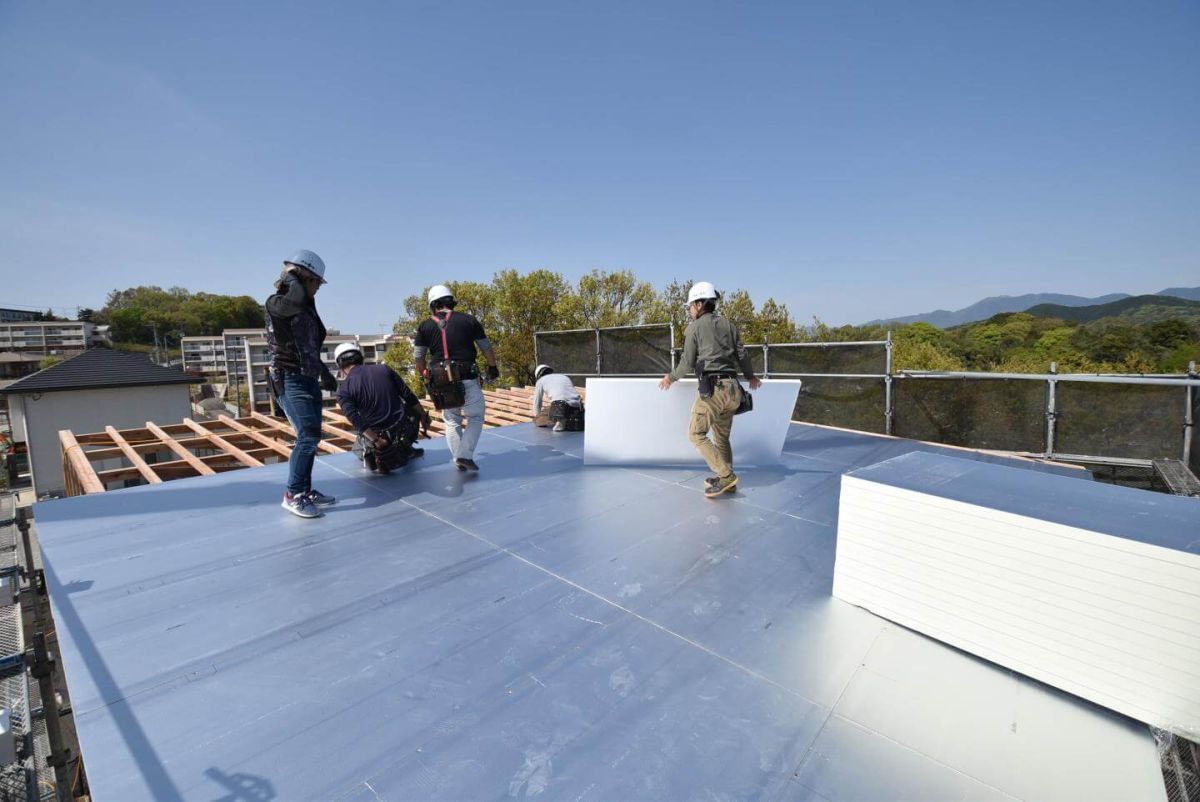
point(295, 336)
point(712, 349)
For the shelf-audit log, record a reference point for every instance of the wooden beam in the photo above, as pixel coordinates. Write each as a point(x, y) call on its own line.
point(183, 453)
point(134, 458)
point(269, 442)
point(285, 428)
point(223, 444)
point(77, 471)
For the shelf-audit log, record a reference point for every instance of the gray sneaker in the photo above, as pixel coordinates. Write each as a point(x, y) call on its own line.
point(300, 505)
point(320, 499)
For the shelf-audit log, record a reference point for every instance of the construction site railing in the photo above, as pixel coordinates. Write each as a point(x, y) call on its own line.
point(1108, 419)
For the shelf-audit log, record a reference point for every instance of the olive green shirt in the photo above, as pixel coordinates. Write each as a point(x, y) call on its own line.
point(712, 344)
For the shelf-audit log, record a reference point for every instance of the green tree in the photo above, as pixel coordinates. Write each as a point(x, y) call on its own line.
point(603, 299)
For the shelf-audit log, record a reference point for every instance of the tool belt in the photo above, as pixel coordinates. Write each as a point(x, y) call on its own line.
point(571, 415)
point(708, 382)
point(400, 437)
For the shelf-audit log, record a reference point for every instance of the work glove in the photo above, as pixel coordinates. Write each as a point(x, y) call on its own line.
point(328, 382)
point(493, 373)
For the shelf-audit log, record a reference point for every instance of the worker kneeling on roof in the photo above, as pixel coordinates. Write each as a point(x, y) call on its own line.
point(565, 409)
point(713, 349)
point(448, 342)
point(387, 415)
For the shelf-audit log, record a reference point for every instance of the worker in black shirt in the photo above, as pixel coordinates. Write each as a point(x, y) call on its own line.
point(384, 412)
point(295, 335)
point(447, 343)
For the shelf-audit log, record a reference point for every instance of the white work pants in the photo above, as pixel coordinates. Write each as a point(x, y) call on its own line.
point(462, 444)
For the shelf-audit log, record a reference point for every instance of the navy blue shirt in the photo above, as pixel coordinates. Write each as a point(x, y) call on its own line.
point(374, 396)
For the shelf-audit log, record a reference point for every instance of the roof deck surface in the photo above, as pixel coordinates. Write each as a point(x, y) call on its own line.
point(541, 629)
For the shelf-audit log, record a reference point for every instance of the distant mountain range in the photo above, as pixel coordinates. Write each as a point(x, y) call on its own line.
point(982, 310)
point(1136, 309)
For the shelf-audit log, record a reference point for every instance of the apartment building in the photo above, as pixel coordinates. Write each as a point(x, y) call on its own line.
point(239, 358)
point(52, 336)
point(16, 315)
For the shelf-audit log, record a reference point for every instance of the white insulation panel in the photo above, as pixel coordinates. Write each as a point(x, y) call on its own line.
point(633, 422)
point(1091, 588)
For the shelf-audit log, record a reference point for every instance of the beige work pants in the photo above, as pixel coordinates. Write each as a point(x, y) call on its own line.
point(714, 416)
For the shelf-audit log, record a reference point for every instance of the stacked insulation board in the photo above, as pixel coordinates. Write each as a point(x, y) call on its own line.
point(1091, 588)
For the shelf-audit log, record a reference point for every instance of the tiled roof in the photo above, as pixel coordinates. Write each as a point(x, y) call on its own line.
point(98, 368)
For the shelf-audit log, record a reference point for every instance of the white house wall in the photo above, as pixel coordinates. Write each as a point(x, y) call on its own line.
point(90, 411)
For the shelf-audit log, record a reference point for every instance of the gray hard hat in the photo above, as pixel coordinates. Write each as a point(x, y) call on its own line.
point(309, 261)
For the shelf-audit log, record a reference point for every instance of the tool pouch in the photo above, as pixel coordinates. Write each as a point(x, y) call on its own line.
point(445, 388)
point(747, 402)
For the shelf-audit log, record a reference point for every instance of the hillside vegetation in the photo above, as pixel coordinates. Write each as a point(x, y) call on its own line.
point(514, 305)
point(1137, 309)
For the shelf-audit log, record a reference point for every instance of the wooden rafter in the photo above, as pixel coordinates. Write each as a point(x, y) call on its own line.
point(258, 437)
point(134, 457)
point(227, 443)
point(179, 449)
point(223, 444)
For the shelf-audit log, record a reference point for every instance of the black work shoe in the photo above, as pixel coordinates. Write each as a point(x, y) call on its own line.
point(369, 461)
point(417, 452)
point(726, 485)
point(466, 464)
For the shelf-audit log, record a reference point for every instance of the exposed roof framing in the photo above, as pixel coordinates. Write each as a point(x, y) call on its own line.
point(162, 452)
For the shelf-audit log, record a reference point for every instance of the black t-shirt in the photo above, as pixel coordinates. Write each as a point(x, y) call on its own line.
point(462, 330)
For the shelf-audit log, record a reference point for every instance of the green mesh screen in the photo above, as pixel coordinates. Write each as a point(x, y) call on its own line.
point(1133, 421)
point(570, 352)
point(849, 403)
point(633, 351)
point(1001, 414)
point(827, 359)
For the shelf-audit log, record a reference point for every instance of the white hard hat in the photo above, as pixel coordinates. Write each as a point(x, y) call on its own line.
point(541, 371)
point(438, 292)
point(702, 291)
point(345, 348)
point(309, 261)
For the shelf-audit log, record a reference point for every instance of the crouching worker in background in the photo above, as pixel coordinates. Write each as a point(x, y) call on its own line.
point(386, 414)
point(565, 409)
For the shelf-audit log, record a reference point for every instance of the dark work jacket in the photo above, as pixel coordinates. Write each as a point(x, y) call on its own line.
point(375, 397)
point(295, 332)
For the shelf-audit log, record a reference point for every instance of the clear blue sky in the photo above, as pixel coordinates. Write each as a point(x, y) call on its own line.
point(854, 159)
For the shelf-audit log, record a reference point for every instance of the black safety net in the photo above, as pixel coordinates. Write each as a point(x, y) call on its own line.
point(848, 403)
point(1001, 414)
point(625, 352)
point(1132, 421)
point(826, 358)
point(570, 352)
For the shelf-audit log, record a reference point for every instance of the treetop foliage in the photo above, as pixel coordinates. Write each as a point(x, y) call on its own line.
point(135, 313)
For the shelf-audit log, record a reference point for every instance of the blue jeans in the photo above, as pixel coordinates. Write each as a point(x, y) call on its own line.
point(301, 402)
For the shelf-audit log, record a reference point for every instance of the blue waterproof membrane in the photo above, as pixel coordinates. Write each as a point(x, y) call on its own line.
point(538, 630)
point(1159, 519)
